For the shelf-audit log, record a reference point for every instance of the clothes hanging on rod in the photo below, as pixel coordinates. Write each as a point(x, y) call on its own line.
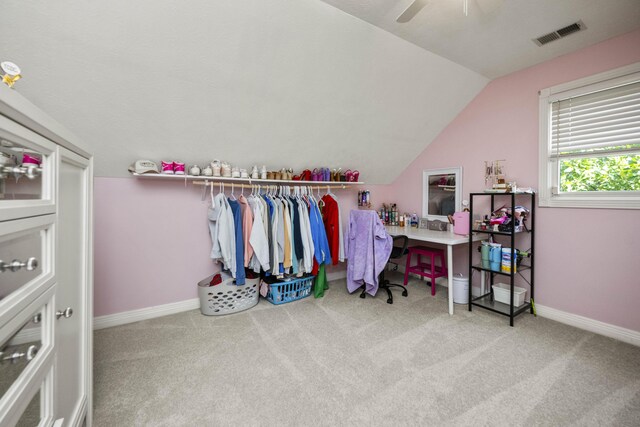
point(258, 238)
point(247, 226)
point(239, 241)
point(333, 227)
point(275, 230)
point(222, 230)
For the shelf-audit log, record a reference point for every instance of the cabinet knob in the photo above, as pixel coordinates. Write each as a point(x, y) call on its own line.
point(14, 357)
point(37, 318)
point(15, 265)
point(66, 313)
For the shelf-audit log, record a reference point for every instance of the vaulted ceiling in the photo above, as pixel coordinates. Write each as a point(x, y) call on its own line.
point(285, 83)
point(494, 38)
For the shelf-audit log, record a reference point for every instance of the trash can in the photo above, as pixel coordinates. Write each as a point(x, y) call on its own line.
point(460, 289)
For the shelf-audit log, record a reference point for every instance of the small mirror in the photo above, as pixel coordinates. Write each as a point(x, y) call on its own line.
point(441, 192)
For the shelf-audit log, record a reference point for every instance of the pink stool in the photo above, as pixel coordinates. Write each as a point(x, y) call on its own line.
point(428, 268)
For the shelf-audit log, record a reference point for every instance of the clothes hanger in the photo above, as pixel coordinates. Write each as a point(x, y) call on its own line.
point(204, 191)
point(232, 196)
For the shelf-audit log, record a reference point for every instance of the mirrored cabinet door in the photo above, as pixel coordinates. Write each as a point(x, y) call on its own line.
point(27, 364)
point(18, 350)
point(25, 259)
point(33, 414)
point(26, 175)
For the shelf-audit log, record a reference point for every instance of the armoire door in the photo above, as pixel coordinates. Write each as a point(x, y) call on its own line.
point(73, 310)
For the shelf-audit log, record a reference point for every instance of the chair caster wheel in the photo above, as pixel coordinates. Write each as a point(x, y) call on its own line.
point(405, 293)
point(362, 296)
point(389, 301)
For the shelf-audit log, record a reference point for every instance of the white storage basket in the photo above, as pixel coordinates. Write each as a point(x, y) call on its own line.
point(227, 297)
point(502, 291)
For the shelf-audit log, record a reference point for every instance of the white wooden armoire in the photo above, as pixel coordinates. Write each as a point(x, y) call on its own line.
point(46, 277)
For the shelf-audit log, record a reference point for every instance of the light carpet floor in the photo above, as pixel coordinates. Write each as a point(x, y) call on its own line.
point(342, 360)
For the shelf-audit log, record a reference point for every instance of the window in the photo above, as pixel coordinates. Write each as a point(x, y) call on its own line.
point(590, 141)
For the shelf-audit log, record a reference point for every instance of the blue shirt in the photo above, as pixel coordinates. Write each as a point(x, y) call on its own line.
point(319, 235)
point(237, 219)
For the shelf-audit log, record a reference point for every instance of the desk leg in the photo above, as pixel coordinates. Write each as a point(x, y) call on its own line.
point(450, 277)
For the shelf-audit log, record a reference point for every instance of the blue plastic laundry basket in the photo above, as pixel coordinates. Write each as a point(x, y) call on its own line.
point(291, 290)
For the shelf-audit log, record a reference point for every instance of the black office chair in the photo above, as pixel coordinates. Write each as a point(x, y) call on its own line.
point(396, 253)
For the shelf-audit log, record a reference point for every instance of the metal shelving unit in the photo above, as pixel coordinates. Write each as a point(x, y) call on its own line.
point(487, 300)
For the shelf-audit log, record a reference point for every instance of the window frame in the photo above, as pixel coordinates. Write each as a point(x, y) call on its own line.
point(548, 177)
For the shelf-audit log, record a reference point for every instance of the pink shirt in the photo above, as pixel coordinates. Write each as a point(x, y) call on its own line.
point(247, 225)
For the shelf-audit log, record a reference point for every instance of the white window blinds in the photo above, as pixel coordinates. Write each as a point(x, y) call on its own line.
point(598, 123)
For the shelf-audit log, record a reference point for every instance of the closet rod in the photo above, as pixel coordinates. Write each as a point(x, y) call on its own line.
point(227, 184)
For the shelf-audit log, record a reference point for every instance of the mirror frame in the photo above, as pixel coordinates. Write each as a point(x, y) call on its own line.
point(457, 171)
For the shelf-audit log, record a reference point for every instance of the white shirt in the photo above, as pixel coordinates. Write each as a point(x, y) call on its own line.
point(258, 238)
point(305, 232)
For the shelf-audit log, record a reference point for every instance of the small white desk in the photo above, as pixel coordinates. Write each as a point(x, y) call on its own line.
point(438, 237)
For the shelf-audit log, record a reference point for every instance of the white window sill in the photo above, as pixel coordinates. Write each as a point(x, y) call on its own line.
point(599, 201)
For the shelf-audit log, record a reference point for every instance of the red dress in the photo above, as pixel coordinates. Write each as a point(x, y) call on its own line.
point(331, 220)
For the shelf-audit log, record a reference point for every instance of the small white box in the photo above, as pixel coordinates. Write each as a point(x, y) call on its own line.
point(501, 293)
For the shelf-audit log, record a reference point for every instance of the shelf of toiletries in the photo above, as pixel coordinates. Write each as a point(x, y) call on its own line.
point(499, 270)
point(503, 233)
point(500, 257)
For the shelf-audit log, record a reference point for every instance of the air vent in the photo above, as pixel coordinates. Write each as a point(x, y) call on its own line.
point(558, 34)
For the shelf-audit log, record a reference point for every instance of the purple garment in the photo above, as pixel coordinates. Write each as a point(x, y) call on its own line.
point(368, 247)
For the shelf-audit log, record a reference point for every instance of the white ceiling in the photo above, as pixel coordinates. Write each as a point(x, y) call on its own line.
point(494, 39)
point(285, 83)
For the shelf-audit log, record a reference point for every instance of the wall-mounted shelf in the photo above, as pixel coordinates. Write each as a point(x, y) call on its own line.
point(244, 180)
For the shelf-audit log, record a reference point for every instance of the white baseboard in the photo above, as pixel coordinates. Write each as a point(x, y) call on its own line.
point(581, 322)
point(591, 325)
point(125, 317)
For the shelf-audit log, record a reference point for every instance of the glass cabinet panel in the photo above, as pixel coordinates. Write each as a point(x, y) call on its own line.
point(18, 351)
point(32, 415)
point(27, 166)
point(23, 255)
point(20, 172)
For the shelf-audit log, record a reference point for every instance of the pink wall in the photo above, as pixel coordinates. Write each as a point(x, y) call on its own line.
point(152, 245)
point(587, 259)
point(152, 242)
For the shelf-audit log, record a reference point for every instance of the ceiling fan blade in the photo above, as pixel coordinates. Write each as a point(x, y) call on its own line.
point(411, 11)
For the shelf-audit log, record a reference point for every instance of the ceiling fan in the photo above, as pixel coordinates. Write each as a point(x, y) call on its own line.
point(486, 6)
